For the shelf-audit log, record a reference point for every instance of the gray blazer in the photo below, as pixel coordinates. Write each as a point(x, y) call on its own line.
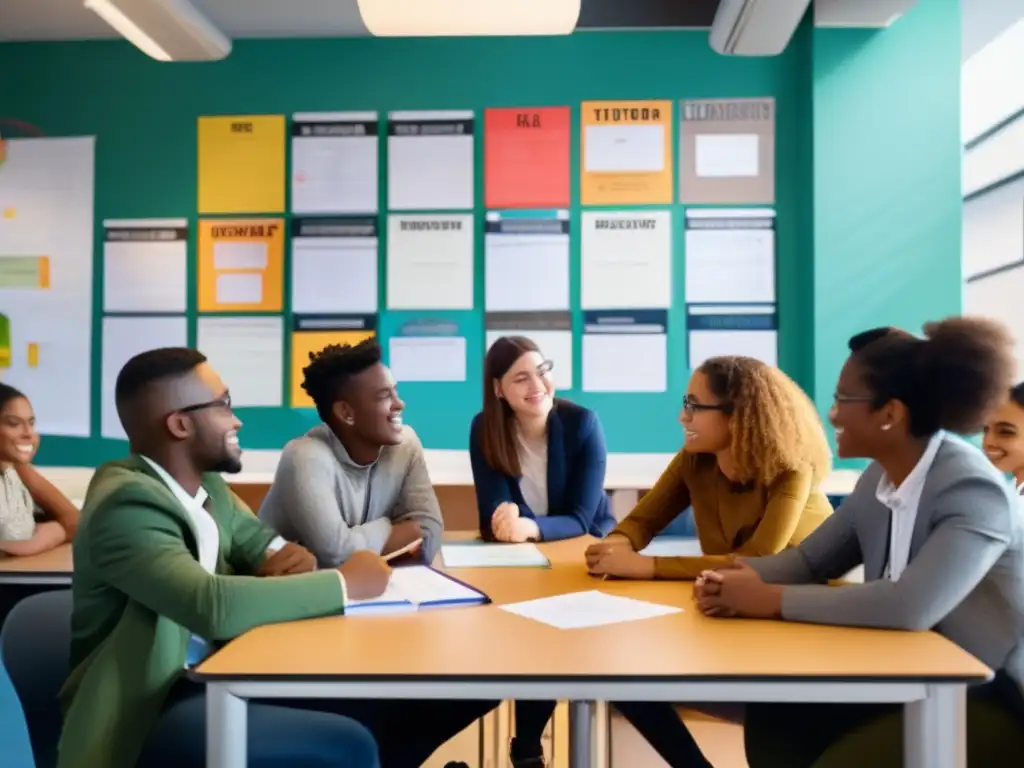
point(965, 577)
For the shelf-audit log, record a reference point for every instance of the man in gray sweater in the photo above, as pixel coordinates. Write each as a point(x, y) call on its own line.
point(359, 480)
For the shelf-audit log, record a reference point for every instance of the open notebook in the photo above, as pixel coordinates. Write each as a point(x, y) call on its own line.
point(418, 587)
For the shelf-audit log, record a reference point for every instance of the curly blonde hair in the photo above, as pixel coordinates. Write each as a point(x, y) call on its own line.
point(775, 426)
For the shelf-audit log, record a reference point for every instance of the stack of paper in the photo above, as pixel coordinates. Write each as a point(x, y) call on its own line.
point(480, 555)
point(578, 610)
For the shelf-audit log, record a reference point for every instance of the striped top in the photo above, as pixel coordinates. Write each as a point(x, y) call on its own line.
point(17, 509)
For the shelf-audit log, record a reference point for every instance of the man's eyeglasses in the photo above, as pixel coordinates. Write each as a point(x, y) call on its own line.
point(691, 407)
point(220, 402)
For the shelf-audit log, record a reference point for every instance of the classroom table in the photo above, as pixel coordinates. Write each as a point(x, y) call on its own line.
point(683, 657)
point(49, 568)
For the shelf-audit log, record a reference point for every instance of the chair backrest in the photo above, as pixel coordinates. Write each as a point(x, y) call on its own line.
point(35, 645)
point(15, 745)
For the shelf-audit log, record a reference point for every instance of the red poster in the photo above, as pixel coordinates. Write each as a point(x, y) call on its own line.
point(526, 157)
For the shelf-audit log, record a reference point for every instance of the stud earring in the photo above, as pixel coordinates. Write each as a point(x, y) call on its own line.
point(886, 427)
point(350, 421)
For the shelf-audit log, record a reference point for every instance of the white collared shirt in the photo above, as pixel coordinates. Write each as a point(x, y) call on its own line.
point(903, 503)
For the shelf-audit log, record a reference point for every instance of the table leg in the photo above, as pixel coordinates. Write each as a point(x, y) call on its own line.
point(226, 729)
point(581, 736)
point(935, 729)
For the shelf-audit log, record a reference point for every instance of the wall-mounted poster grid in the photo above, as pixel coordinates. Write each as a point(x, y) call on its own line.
point(527, 157)
point(145, 265)
point(241, 265)
point(311, 333)
point(626, 153)
point(730, 255)
point(625, 350)
point(427, 349)
point(430, 160)
point(748, 330)
point(526, 261)
point(551, 331)
point(727, 152)
point(334, 162)
point(334, 265)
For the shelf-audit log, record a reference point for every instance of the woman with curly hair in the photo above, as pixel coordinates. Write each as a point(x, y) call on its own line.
point(754, 457)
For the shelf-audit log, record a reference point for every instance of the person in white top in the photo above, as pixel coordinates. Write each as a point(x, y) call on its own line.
point(1004, 436)
point(34, 515)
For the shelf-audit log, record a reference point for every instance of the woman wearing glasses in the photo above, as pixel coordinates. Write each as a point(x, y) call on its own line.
point(754, 456)
point(538, 468)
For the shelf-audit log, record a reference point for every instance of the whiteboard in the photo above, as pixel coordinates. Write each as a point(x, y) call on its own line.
point(993, 235)
point(999, 297)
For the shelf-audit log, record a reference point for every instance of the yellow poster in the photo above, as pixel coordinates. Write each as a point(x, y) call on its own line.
point(242, 164)
point(626, 153)
point(241, 265)
point(306, 342)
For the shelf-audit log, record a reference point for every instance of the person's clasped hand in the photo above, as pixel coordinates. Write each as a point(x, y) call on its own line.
point(737, 590)
point(615, 556)
point(290, 559)
point(367, 575)
point(508, 526)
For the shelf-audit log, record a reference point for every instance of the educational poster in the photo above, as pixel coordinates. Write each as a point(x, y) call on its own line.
point(145, 265)
point(733, 329)
point(241, 164)
point(626, 259)
point(430, 161)
point(551, 331)
point(334, 265)
point(519, 246)
point(730, 255)
point(625, 351)
point(430, 261)
point(46, 269)
point(311, 333)
point(427, 350)
point(526, 157)
point(334, 162)
point(248, 353)
point(124, 337)
point(241, 265)
point(727, 152)
point(626, 153)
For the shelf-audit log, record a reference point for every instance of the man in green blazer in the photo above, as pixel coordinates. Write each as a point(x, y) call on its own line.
point(169, 561)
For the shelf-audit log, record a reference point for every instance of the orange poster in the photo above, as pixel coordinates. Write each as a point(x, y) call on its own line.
point(526, 157)
point(626, 153)
point(241, 265)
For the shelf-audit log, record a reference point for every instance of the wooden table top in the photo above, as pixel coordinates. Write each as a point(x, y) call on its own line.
point(56, 561)
point(487, 643)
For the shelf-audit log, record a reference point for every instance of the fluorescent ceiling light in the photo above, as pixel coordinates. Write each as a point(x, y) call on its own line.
point(455, 18)
point(127, 28)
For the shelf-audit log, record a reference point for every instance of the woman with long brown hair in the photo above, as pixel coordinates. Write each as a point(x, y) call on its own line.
point(538, 468)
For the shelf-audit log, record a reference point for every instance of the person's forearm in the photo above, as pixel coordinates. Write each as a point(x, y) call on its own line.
point(47, 536)
point(685, 568)
point(49, 498)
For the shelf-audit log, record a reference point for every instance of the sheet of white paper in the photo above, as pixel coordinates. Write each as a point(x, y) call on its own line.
point(123, 338)
point(334, 173)
point(526, 273)
point(578, 610)
point(730, 265)
point(236, 255)
point(421, 585)
point(392, 601)
point(334, 275)
point(726, 155)
point(248, 353)
point(46, 201)
point(493, 556)
point(626, 260)
point(625, 362)
point(761, 345)
point(430, 262)
point(624, 148)
point(671, 546)
point(430, 172)
point(427, 358)
point(240, 288)
point(145, 275)
point(556, 346)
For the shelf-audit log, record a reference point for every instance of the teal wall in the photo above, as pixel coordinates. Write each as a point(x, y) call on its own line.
point(144, 114)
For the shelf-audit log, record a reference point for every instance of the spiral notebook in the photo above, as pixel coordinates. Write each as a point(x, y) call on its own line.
point(418, 588)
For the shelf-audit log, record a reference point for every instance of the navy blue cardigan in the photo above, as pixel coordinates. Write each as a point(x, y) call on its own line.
point(577, 457)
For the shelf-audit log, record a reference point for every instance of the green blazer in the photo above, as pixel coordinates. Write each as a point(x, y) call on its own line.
point(139, 593)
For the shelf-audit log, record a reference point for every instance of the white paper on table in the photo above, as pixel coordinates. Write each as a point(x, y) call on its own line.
point(239, 255)
point(427, 358)
point(625, 362)
point(479, 555)
point(624, 148)
point(555, 345)
point(240, 288)
point(334, 275)
point(123, 338)
point(671, 546)
point(248, 353)
point(430, 172)
point(726, 155)
point(626, 260)
point(578, 610)
point(430, 261)
point(334, 163)
point(144, 272)
point(526, 273)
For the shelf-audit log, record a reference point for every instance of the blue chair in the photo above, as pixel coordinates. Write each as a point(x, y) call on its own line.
point(34, 646)
point(15, 745)
point(682, 525)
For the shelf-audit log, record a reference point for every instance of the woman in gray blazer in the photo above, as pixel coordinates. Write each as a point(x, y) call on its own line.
point(937, 529)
